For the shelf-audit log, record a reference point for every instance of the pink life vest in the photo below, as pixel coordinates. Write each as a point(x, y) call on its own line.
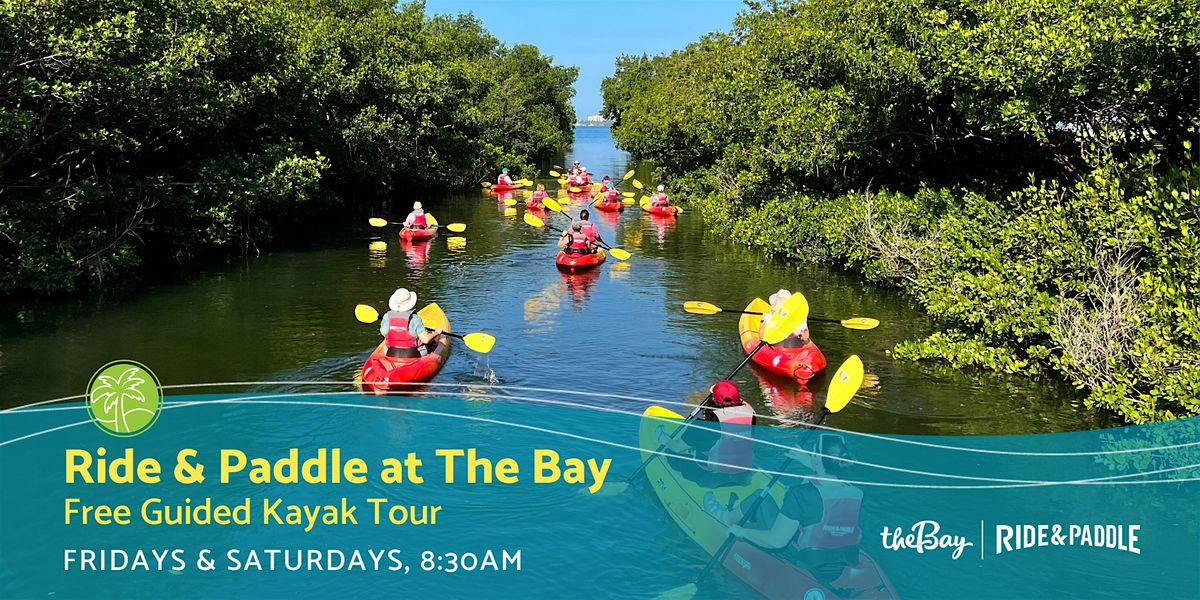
point(420, 220)
point(611, 195)
point(660, 199)
point(579, 241)
point(589, 230)
point(538, 196)
point(838, 526)
point(397, 334)
point(503, 179)
point(731, 451)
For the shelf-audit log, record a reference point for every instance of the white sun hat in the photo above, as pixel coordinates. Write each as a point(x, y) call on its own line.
point(402, 300)
point(778, 298)
point(416, 206)
point(660, 187)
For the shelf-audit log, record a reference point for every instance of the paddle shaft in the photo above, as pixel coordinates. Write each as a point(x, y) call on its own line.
point(750, 312)
point(762, 496)
point(599, 242)
point(693, 414)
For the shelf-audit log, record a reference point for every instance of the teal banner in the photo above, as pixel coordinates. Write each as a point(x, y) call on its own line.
point(501, 492)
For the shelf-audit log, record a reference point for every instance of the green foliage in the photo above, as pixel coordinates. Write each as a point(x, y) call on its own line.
point(132, 128)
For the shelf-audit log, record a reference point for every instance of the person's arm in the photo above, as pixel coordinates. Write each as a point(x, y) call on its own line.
point(780, 533)
point(383, 323)
point(562, 239)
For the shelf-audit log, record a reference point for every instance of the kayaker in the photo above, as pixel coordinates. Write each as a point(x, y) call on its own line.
point(798, 338)
point(608, 191)
point(725, 451)
point(574, 170)
point(402, 329)
point(504, 179)
point(417, 219)
point(538, 197)
point(575, 241)
point(589, 228)
point(818, 523)
point(660, 197)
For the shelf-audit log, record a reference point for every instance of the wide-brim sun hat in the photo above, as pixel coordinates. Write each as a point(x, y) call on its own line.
point(416, 206)
point(402, 300)
point(779, 297)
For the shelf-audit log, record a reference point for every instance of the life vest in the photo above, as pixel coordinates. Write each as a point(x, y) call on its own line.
point(503, 179)
point(838, 527)
point(611, 195)
point(397, 333)
point(579, 241)
point(660, 199)
point(589, 230)
point(732, 451)
point(538, 196)
point(420, 220)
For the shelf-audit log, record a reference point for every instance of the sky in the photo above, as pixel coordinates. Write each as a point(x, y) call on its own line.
point(598, 31)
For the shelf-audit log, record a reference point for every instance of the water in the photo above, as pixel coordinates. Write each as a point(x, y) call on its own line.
point(288, 316)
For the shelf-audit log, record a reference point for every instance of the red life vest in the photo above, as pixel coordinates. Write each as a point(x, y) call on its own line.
point(503, 180)
point(579, 241)
point(538, 196)
point(660, 199)
point(420, 220)
point(611, 195)
point(589, 230)
point(838, 526)
point(397, 333)
point(731, 451)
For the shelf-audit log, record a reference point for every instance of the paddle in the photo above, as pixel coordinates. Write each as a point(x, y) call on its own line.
point(377, 222)
point(628, 175)
point(697, 307)
point(510, 201)
point(555, 174)
point(479, 342)
point(790, 315)
point(617, 253)
point(845, 384)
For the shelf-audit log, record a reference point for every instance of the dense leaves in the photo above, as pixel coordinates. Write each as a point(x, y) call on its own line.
point(136, 128)
point(1019, 167)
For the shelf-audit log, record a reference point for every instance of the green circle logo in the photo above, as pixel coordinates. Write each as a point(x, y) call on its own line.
point(124, 398)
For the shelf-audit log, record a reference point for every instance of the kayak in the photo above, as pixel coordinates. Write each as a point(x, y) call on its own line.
point(500, 188)
point(417, 235)
point(382, 372)
point(573, 263)
point(768, 573)
point(800, 363)
point(610, 205)
point(661, 211)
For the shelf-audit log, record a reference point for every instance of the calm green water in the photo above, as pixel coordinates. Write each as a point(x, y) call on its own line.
point(287, 316)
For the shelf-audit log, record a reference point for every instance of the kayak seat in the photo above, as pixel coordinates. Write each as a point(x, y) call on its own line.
point(399, 352)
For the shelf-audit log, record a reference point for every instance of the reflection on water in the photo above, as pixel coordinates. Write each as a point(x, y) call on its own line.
point(289, 315)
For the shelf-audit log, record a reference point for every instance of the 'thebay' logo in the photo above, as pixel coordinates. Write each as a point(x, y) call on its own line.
point(124, 398)
point(924, 537)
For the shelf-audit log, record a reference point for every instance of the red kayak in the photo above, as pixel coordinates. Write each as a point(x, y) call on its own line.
point(661, 211)
point(574, 263)
point(800, 363)
point(500, 188)
point(413, 234)
point(610, 205)
point(381, 372)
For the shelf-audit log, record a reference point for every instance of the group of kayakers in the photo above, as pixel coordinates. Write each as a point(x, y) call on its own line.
point(578, 177)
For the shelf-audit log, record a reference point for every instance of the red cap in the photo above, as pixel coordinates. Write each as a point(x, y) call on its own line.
point(725, 393)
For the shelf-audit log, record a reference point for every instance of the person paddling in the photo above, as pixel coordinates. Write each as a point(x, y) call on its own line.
point(504, 179)
point(724, 452)
point(538, 198)
point(817, 524)
point(403, 330)
point(798, 338)
point(589, 228)
point(660, 197)
point(574, 170)
point(608, 191)
point(575, 241)
point(418, 218)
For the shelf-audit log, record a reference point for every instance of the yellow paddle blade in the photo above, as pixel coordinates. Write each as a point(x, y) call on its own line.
point(432, 221)
point(845, 384)
point(637, 184)
point(552, 204)
point(683, 592)
point(628, 175)
point(479, 342)
point(619, 254)
point(510, 201)
point(575, 190)
point(860, 323)
point(628, 194)
point(456, 243)
point(366, 313)
point(679, 210)
point(555, 174)
point(697, 307)
point(486, 184)
point(523, 182)
point(510, 212)
point(786, 319)
point(377, 246)
point(533, 221)
point(377, 222)
point(627, 200)
point(457, 227)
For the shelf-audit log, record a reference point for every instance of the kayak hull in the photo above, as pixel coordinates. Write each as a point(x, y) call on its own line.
point(381, 373)
point(768, 573)
point(801, 364)
point(661, 211)
point(610, 206)
point(500, 188)
point(575, 263)
point(416, 235)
